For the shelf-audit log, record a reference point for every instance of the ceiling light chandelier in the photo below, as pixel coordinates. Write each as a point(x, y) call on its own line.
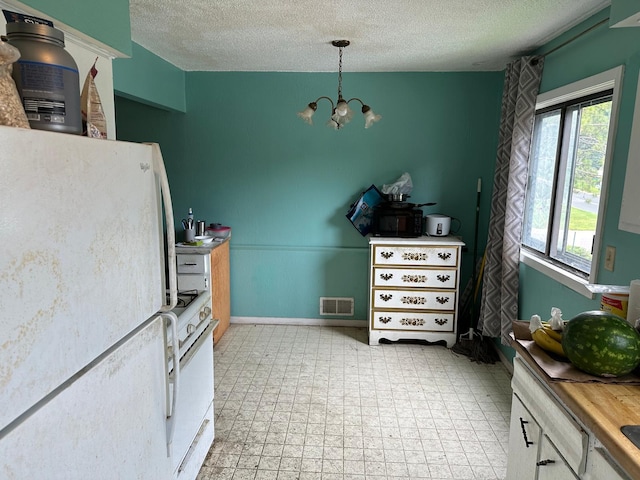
point(341, 114)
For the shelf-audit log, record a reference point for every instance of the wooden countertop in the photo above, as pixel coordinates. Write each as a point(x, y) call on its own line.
point(202, 249)
point(603, 408)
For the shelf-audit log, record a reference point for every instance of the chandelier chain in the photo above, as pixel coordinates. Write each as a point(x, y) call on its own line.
point(340, 74)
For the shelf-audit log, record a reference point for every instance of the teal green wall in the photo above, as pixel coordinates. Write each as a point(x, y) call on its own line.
point(137, 122)
point(107, 22)
point(149, 79)
point(623, 9)
point(284, 187)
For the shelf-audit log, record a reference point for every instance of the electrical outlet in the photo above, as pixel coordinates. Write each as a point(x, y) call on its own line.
point(610, 258)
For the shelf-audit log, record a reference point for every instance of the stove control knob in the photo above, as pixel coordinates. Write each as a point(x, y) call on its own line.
point(204, 313)
point(191, 328)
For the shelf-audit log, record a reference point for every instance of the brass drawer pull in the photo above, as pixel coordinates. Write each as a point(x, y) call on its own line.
point(386, 255)
point(414, 322)
point(386, 297)
point(384, 320)
point(444, 256)
point(441, 321)
point(416, 256)
point(386, 276)
point(414, 300)
point(414, 278)
point(442, 300)
point(444, 278)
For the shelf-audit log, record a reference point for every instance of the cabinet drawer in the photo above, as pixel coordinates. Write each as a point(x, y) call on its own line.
point(563, 431)
point(439, 322)
point(188, 263)
point(414, 299)
point(405, 277)
point(415, 255)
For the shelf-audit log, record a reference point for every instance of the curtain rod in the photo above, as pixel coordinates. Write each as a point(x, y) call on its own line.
point(575, 37)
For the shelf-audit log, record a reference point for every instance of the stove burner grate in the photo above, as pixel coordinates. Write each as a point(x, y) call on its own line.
point(185, 298)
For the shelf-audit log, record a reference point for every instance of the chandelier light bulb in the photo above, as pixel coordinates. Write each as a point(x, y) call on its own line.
point(369, 117)
point(342, 108)
point(308, 112)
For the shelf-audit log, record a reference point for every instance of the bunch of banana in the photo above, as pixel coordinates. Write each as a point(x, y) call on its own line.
point(555, 334)
point(546, 337)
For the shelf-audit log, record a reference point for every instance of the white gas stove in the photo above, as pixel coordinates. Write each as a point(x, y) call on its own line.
point(194, 429)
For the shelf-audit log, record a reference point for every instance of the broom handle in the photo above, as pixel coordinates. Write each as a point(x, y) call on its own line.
point(474, 322)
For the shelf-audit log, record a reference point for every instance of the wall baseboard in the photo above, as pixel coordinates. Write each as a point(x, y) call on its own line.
point(311, 322)
point(505, 361)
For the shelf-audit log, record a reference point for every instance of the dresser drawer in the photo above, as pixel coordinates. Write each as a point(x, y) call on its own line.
point(188, 263)
point(415, 256)
point(405, 277)
point(414, 299)
point(433, 321)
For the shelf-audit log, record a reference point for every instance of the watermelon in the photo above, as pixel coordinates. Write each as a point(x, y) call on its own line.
point(601, 343)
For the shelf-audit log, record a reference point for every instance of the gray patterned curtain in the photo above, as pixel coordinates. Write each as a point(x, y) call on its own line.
point(500, 282)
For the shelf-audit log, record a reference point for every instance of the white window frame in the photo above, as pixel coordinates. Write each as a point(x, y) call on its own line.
point(611, 79)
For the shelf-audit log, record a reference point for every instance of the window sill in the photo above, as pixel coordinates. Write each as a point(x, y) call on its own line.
point(569, 280)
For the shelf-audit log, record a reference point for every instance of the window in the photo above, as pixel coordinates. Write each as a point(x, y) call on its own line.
point(568, 172)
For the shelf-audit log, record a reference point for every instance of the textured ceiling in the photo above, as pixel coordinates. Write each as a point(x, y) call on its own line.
point(385, 35)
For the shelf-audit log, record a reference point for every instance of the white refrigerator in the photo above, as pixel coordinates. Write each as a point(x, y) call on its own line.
point(84, 386)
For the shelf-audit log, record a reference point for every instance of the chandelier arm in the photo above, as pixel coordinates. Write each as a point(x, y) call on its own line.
point(326, 98)
point(356, 98)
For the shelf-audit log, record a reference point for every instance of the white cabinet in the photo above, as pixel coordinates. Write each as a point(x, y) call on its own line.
point(546, 442)
point(413, 289)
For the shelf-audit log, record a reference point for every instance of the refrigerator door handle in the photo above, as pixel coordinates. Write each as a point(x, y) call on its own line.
point(172, 322)
point(171, 233)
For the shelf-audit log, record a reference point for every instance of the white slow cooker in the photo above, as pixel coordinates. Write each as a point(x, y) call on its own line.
point(437, 225)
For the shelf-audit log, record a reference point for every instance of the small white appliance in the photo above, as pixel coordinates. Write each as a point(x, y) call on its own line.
point(437, 225)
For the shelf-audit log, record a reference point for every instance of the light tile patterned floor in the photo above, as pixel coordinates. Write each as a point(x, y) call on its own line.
point(296, 402)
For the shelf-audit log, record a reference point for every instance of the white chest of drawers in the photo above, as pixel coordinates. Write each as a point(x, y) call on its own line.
point(413, 288)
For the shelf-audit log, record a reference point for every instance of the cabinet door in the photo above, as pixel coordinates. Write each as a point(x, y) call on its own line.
point(524, 438)
point(551, 465)
point(600, 465)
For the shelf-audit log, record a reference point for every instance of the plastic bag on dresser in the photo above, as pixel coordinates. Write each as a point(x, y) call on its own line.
point(11, 110)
